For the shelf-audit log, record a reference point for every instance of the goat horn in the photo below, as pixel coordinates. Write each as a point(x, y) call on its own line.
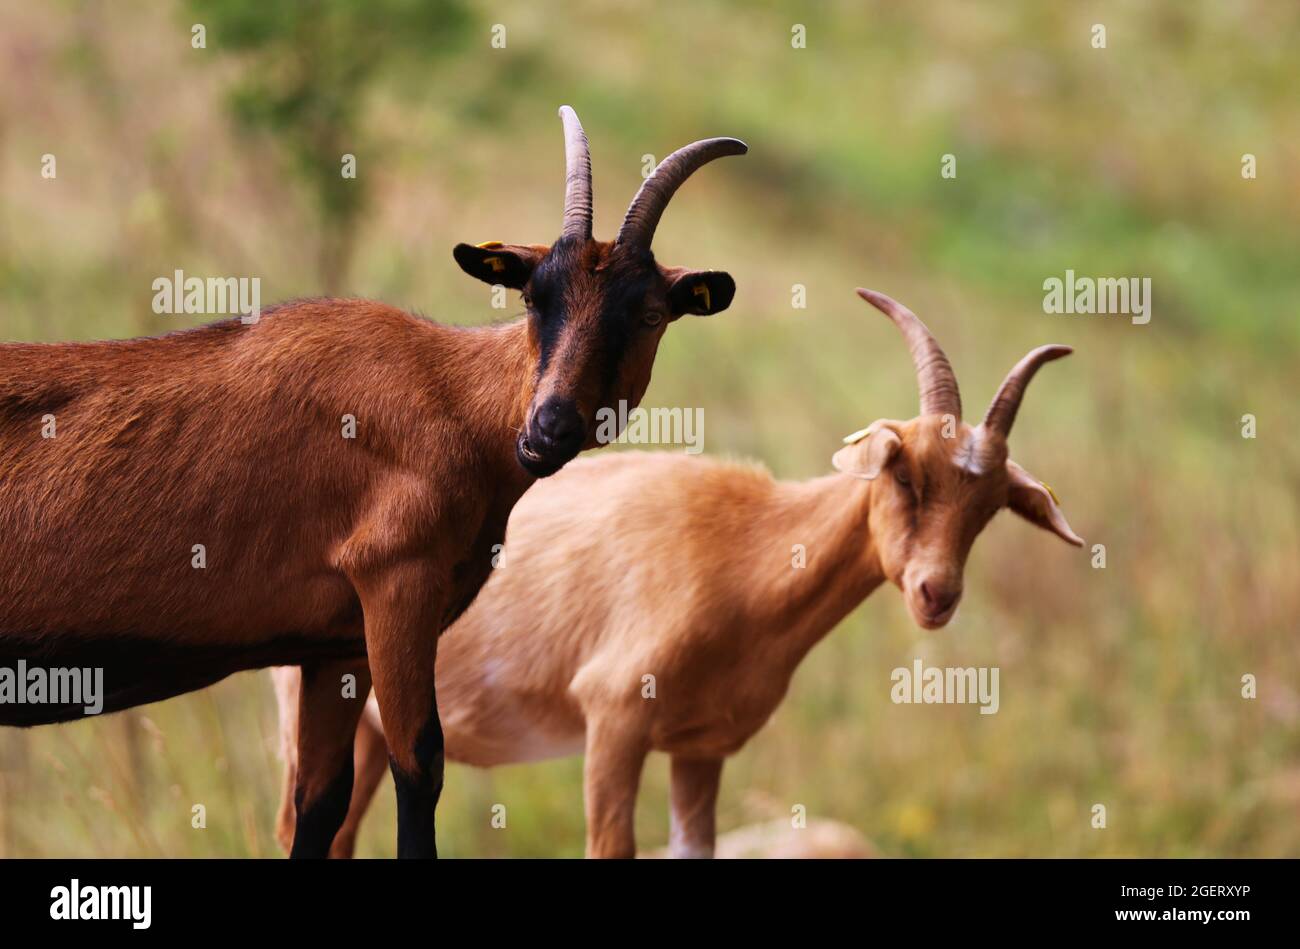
point(934, 375)
point(647, 207)
point(577, 177)
point(1002, 410)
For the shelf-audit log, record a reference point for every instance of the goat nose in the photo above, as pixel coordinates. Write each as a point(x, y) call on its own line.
point(559, 422)
point(937, 597)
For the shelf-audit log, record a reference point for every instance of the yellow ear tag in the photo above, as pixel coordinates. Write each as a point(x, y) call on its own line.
point(489, 245)
point(702, 290)
point(496, 263)
point(857, 436)
point(1051, 492)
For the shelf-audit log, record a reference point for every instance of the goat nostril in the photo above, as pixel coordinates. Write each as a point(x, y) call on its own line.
point(937, 599)
point(559, 422)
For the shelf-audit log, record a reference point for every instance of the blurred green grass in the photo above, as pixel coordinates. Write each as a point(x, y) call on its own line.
point(1119, 686)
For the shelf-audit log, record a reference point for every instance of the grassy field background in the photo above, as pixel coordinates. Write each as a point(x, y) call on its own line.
point(1119, 686)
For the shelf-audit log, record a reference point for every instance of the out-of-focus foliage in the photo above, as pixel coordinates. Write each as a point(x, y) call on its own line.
point(304, 71)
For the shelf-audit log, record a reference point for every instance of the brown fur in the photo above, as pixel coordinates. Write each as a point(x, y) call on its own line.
point(322, 550)
point(230, 436)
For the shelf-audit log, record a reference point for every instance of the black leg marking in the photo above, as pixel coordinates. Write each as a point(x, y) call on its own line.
point(317, 825)
point(417, 795)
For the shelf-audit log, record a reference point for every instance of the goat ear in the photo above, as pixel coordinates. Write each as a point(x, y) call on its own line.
point(493, 262)
point(868, 452)
point(702, 292)
point(1036, 503)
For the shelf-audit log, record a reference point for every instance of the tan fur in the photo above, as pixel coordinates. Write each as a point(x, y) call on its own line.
point(653, 564)
point(645, 573)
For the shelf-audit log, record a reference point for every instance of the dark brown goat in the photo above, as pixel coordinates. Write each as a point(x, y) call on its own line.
point(118, 459)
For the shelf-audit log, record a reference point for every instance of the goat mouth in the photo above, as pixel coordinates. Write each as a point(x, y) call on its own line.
point(928, 620)
point(534, 462)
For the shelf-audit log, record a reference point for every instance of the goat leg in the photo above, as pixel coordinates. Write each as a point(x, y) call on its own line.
point(404, 607)
point(694, 798)
point(328, 709)
point(611, 776)
point(370, 763)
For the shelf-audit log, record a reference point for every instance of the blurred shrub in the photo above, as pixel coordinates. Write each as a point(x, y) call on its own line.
point(307, 68)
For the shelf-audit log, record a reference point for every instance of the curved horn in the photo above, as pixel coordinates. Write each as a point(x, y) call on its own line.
point(647, 207)
point(934, 375)
point(577, 177)
point(1002, 410)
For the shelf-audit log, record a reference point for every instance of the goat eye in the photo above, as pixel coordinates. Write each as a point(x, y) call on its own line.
point(901, 476)
point(528, 300)
point(653, 317)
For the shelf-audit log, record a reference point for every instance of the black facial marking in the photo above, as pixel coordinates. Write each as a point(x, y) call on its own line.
point(625, 283)
point(547, 292)
point(621, 311)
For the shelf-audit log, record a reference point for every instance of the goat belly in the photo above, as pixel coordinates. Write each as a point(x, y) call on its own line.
point(136, 670)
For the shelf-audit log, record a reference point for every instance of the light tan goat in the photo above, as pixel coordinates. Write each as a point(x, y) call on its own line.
point(642, 564)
